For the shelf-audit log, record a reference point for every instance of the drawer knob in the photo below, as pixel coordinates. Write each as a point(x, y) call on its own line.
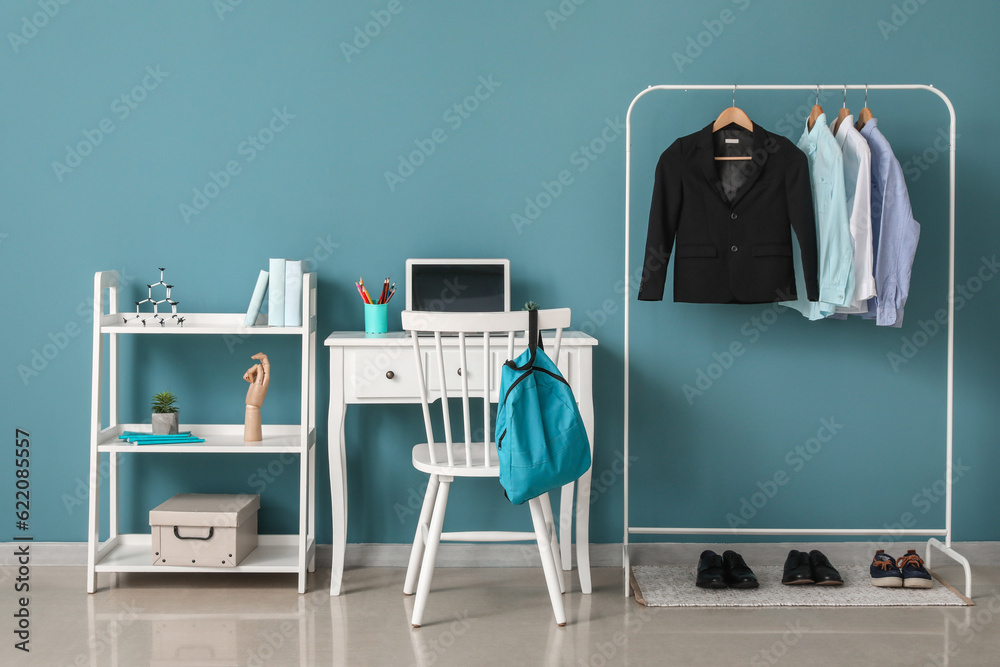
point(389, 375)
point(459, 371)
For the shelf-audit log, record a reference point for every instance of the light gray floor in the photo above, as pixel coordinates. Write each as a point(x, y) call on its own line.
point(488, 616)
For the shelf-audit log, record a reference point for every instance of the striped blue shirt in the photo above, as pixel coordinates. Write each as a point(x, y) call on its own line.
point(894, 231)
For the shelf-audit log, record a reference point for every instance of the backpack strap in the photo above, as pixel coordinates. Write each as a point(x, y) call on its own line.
point(534, 342)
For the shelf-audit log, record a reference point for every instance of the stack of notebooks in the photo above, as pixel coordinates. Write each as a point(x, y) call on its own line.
point(283, 285)
point(138, 438)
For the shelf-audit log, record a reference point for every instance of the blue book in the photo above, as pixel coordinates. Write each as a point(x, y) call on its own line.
point(293, 292)
point(276, 293)
point(257, 300)
point(145, 438)
point(163, 441)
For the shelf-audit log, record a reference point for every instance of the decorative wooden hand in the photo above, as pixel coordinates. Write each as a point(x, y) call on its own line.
point(259, 377)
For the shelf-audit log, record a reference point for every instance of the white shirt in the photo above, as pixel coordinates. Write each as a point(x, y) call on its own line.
point(858, 188)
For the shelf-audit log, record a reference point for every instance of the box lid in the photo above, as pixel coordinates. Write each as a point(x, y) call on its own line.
point(205, 509)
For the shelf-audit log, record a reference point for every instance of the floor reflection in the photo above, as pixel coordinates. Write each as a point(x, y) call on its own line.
point(193, 635)
point(454, 632)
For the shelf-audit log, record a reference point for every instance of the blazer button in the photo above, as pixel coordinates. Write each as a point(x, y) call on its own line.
point(734, 249)
point(733, 215)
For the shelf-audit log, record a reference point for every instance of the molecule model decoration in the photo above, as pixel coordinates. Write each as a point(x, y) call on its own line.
point(156, 316)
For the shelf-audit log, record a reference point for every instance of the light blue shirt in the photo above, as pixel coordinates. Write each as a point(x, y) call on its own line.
point(833, 234)
point(894, 232)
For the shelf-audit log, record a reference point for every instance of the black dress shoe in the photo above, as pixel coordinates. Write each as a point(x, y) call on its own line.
point(736, 572)
point(797, 569)
point(710, 571)
point(823, 573)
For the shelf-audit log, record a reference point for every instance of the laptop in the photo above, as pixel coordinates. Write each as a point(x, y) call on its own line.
point(458, 285)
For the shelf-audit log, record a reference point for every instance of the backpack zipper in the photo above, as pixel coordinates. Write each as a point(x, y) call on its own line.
point(514, 384)
point(558, 377)
point(526, 373)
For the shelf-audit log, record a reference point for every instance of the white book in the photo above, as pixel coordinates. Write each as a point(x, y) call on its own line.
point(276, 293)
point(257, 300)
point(294, 268)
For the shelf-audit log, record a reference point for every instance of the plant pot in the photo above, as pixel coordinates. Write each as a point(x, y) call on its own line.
point(165, 423)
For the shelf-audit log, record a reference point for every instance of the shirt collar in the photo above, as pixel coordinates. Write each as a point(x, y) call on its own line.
point(869, 127)
point(812, 136)
point(844, 130)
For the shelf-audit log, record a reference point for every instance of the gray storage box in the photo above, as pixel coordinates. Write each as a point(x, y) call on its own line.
point(204, 530)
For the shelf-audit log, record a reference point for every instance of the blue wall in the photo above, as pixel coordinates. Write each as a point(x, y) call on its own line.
point(551, 84)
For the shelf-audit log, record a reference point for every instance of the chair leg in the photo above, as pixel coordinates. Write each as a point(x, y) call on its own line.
point(548, 560)
point(550, 526)
point(420, 538)
point(430, 551)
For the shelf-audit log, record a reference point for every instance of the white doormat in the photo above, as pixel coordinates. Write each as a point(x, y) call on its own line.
point(673, 586)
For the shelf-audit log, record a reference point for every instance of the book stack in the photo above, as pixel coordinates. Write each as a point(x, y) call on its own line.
point(144, 438)
point(282, 283)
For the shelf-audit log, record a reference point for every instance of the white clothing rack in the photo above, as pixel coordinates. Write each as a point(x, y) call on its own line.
point(933, 541)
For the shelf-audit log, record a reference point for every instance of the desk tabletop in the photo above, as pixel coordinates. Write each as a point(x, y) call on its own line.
point(396, 338)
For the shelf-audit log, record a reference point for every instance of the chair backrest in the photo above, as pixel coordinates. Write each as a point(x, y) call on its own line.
point(473, 331)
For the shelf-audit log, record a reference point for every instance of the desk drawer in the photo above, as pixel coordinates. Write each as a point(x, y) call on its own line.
point(391, 372)
point(387, 372)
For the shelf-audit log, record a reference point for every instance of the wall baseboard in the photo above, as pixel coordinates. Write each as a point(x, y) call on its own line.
point(526, 555)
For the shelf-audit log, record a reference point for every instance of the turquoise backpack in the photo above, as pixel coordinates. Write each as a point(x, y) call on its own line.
point(541, 441)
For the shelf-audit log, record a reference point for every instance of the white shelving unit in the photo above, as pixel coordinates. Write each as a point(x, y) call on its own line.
point(292, 553)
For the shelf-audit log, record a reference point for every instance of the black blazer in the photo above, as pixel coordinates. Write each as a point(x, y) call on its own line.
point(731, 220)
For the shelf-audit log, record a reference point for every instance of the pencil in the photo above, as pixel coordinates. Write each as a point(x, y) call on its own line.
point(358, 287)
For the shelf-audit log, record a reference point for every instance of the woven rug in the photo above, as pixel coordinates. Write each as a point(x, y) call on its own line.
point(673, 586)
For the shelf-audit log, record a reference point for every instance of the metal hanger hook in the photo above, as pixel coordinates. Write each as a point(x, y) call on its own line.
point(817, 94)
point(866, 95)
point(845, 95)
point(734, 94)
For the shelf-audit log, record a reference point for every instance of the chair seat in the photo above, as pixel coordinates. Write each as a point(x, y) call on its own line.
point(476, 467)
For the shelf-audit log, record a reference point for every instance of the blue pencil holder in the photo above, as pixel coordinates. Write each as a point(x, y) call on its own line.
point(376, 318)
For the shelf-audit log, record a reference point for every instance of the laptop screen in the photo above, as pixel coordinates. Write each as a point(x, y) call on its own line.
point(458, 286)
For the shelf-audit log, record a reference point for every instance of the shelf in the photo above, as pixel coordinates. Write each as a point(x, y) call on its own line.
point(133, 553)
point(274, 553)
point(200, 323)
point(219, 439)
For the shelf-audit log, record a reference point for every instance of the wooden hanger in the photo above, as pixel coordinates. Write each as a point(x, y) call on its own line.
point(730, 116)
point(733, 115)
point(866, 113)
point(817, 110)
point(842, 114)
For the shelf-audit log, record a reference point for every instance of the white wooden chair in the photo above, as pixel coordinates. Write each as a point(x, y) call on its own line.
point(444, 461)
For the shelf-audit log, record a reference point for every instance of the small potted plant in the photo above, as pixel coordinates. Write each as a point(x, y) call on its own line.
point(164, 413)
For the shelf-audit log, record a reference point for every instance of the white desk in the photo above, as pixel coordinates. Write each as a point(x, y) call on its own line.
point(381, 369)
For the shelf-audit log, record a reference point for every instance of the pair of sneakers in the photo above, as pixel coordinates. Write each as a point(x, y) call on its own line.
point(906, 572)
